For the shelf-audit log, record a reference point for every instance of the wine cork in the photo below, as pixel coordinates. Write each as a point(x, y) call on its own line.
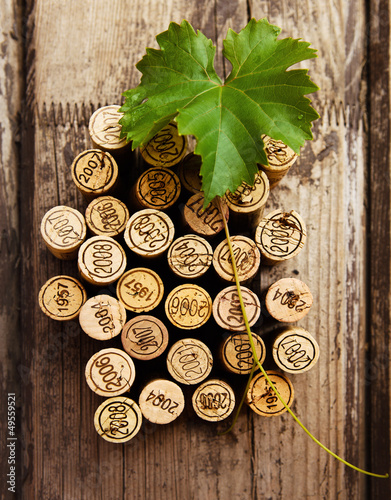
point(188, 306)
point(288, 300)
point(95, 173)
point(247, 203)
point(101, 260)
point(140, 289)
point(110, 372)
point(107, 216)
point(161, 401)
point(280, 236)
point(166, 148)
point(157, 188)
point(189, 361)
point(189, 173)
point(228, 313)
point(190, 256)
point(62, 297)
point(144, 337)
point(118, 419)
point(149, 233)
point(105, 131)
point(295, 350)
point(237, 355)
point(213, 400)
point(247, 259)
point(102, 317)
point(263, 400)
point(63, 230)
point(208, 222)
point(280, 158)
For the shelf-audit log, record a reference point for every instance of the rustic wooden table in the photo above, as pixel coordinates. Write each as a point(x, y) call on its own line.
point(59, 61)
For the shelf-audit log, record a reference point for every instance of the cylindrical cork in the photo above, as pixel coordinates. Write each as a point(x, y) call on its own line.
point(208, 222)
point(62, 297)
point(280, 236)
point(118, 419)
point(161, 401)
point(190, 256)
point(188, 306)
point(288, 300)
point(295, 350)
point(102, 317)
point(157, 188)
point(263, 400)
point(149, 233)
point(228, 313)
point(140, 289)
point(189, 361)
point(63, 230)
point(213, 400)
point(280, 158)
point(247, 259)
point(101, 260)
point(107, 216)
point(236, 353)
point(166, 148)
point(110, 372)
point(144, 337)
point(105, 131)
point(189, 173)
point(247, 203)
point(95, 173)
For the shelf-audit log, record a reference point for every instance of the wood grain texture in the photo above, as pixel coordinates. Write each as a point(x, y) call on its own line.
point(91, 63)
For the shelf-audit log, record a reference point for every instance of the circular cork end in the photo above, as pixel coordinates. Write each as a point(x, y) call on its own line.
point(149, 233)
point(188, 306)
point(295, 350)
point(214, 400)
point(140, 289)
point(288, 300)
point(62, 297)
point(247, 258)
point(144, 337)
point(107, 216)
point(189, 173)
point(101, 260)
point(263, 400)
point(105, 130)
point(166, 148)
point(161, 401)
point(189, 361)
point(280, 158)
point(102, 317)
point(110, 372)
point(228, 313)
point(63, 230)
point(94, 172)
point(280, 236)
point(157, 188)
point(237, 355)
point(249, 199)
point(208, 222)
point(118, 419)
point(190, 256)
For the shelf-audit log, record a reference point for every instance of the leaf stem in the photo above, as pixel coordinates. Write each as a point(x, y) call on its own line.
point(297, 420)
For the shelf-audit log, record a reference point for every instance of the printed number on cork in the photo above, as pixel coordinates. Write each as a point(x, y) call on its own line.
point(158, 188)
point(166, 148)
point(237, 355)
point(161, 401)
point(288, 300)
point(105, 130)
point(190, 256)
point(62, 297)
point(228, 313)
point(188, 306)
point(295, 350)
point(189, 361)
point(263, 400)
point(208, 221)
point(107, 216)
point(144, 337)
point(214, 400)
point(94, 172)
point(247, 259)
point(140, 289)
point(102, 317)
point(118, 419)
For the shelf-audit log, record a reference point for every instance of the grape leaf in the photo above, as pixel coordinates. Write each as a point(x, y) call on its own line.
point(227, 119)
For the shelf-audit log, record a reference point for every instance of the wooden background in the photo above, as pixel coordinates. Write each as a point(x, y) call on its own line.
point(58, 62)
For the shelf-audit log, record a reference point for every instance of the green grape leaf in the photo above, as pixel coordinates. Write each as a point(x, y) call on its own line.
point(227, 119)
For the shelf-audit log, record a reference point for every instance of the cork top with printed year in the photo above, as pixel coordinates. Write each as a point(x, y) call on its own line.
point(214, 400)
point(295, 350)
point(189, 361)
point(107, 216)
point(118, 419)
point(144, 337)
point(62, 297)
point(105, 130)
point(157, 188)
point(206, 222)
point(166, 148)
point(262, 399)
point(288, 300)
point(161, 401)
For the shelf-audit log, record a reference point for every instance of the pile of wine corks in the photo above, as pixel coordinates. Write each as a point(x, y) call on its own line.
point(155, 288)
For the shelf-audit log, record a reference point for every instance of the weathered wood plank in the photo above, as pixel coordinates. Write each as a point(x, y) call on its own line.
point(11, 93)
